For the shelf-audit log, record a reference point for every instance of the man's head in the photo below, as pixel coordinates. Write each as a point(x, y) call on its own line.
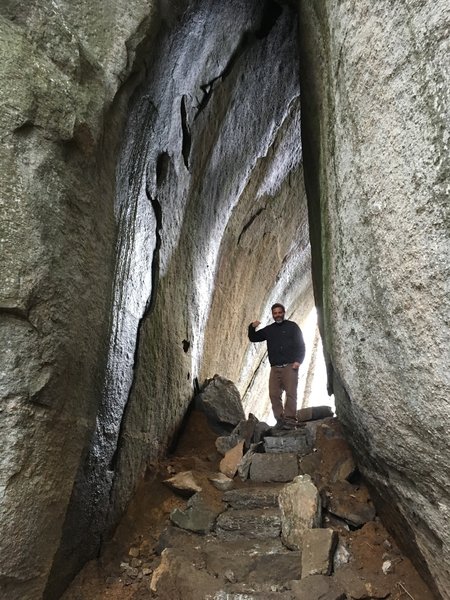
point(278, 313)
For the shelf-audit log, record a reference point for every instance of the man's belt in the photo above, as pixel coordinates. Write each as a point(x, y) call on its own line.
point(281, 366)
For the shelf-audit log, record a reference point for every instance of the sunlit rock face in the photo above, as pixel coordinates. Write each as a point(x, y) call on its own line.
point(375, 112)
point(151, 180)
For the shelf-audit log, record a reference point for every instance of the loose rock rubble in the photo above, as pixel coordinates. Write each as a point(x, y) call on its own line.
point(271, 515)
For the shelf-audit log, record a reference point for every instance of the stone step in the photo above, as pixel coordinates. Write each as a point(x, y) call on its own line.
point(274, 467)
point(255, 569)
point(253, 497)
point(296, 441)
point(252, 524)
point(240, 569)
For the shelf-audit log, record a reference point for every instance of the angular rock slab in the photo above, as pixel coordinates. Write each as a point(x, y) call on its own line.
point(221, 402)
point(227, 442)
point(177, 574)
point(198, 517)
point(230, 462)
point(246, 461)
point(261, 429)
point(351, 503)
point(360, 585)
point(313, 413)
point(183, 483)
point(301, 510)
point(317, 551)
point(245, 430)
point(259, 564)
point(318, 587)
point(221, 482)
point(250, 524)
point(274, 467)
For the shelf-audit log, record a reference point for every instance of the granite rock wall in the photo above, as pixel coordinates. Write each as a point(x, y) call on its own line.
point(375, 102)
point(61, 69)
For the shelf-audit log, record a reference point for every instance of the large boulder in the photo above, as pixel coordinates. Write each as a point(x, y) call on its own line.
point(221, 402)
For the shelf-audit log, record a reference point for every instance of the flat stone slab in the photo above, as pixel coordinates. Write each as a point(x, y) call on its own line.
point(313, 413)
point(253, 497)
point(250, 594)
point(251, 524)
point(297, 442)
point(257, 567)
point(274, 467)
point(183, 483)
point(317, 551)
point(221, 482)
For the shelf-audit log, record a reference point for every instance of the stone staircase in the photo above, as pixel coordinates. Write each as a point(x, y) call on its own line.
point(252, 513)
point(242, 556)
point(285, 529)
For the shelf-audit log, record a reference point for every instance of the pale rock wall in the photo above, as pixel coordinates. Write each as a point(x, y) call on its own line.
point(375, 90)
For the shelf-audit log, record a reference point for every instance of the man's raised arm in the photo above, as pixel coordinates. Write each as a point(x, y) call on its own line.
point(256, 336)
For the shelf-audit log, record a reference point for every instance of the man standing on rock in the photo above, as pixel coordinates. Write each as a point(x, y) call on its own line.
point(286, 350)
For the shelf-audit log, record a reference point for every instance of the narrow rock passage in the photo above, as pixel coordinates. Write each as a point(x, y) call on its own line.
point(295, 523)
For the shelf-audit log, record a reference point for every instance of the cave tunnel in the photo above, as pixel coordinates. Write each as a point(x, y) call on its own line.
point(240, 162)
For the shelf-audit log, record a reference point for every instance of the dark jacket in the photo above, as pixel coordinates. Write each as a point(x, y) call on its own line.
point(284, 342)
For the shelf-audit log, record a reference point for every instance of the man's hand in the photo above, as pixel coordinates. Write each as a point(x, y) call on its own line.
point(296, 366)
point(256, 323)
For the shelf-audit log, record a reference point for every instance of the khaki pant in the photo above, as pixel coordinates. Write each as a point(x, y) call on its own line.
point(283, 379)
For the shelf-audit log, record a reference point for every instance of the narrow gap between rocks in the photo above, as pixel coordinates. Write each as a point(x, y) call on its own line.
point(240, 530)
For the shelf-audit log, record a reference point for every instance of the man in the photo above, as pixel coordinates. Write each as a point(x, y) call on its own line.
point(286, 350)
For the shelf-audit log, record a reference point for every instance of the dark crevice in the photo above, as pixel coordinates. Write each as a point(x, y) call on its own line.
point(247, 225)
point(157, 210)
point(256, 371)
point(186, 345)
point(272, 12)
point(207, 90)
point(186, 144)
point(26, 128)
point(162, 168)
